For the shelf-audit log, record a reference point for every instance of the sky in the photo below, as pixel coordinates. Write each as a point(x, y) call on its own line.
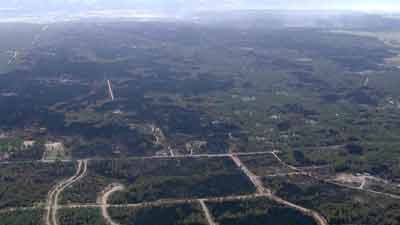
point(192, 5)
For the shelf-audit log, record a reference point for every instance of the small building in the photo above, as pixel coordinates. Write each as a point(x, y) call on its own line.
point(28, 144)
point(54, 146)
point(4, 157)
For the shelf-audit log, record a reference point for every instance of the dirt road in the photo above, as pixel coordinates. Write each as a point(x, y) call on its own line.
point(176, 156)
point(253, 178)
point(53, 196)
point(274, 153)
point(262, 190)
point(104, 199)
point(206, 212)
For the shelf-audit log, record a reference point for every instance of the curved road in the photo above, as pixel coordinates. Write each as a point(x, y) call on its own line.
point(53, 196)
point(104, 199)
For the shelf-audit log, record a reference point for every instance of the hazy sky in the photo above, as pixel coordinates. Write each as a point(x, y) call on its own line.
point(49, 5)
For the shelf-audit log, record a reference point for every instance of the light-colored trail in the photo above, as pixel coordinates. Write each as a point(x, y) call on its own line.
point(110, 91)
point(253, 178)
point(156, 203)
point(287, 174)
point(317, 217)
point(176, 156)
point(53, 196)
point(50, 205)
point(162, 202)
point(104, 199)
point(274, 153)
point(360, 188)
point(261, 190)
point(15, 209)
point(206, 212)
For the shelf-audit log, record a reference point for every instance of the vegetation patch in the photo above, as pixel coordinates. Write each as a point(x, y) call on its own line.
point(338, 205)
point(182, 214)
point(28, 217)
point(81, 216)
point(27, 184)
point(154, 179)
point(264, 165)
point(259, 211)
